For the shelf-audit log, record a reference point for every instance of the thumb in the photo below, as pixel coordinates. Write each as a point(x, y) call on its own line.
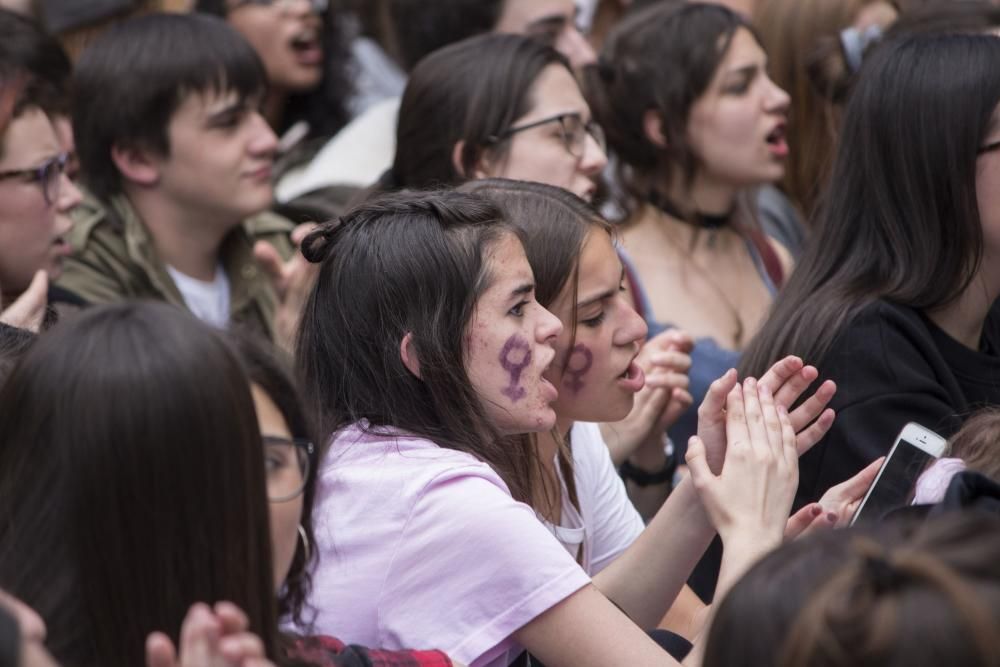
point(857, 486)
point(701, 475)
point(28, 310)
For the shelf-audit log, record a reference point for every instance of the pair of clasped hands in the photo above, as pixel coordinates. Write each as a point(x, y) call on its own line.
point(748, 414)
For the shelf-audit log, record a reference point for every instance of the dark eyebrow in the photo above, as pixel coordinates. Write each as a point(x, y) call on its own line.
point(603, 295)
point(234, 108)
point(554, 22)
point(747, 71)
point(526, 288)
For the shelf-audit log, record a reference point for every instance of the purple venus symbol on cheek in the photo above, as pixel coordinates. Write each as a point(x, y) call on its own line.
point(579, 362)
point(515, 357)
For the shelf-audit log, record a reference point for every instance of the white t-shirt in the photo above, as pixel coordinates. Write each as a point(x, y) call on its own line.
point(209, 301)
point(607, 523)
point(424, 547)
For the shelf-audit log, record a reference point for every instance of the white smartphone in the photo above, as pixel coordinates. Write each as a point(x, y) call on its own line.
point(914, 448)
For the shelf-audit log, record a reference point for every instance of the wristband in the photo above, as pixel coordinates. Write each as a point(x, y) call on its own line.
point(641, 477)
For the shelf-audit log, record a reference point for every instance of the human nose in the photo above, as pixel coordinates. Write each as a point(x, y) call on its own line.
point(263, 141)
point(594, 158)
point(548, 328)
point(69, 194)
point(576, 48)
point(633, 328)
point(777, 99)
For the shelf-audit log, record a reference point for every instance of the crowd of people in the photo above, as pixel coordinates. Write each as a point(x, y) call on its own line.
point(497, 332)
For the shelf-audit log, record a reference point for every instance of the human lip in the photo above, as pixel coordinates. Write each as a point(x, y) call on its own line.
point(260, 174)
point(775, 140)
point(632, 378)
point(306, 46)
point(61, 248)
point(546, 386)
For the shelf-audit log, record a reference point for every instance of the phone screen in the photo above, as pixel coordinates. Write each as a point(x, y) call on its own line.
point(892, 488)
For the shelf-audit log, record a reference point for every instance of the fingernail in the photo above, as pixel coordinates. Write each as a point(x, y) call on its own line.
point(831, 517)
point(817, 510)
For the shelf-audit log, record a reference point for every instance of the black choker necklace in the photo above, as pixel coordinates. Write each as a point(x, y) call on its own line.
point(704, 220)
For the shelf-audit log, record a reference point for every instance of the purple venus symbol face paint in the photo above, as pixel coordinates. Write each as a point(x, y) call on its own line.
point(579, 362)
point(515, 357)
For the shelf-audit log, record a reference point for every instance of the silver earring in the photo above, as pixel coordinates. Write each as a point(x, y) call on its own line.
point(306, 550)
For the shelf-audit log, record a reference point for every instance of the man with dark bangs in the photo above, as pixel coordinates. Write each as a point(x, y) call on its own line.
point(178, 161)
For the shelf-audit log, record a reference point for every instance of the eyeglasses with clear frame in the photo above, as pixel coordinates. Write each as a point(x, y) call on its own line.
point(318, 6)
point(48, 175)
point(574, 132)
point(287, 464)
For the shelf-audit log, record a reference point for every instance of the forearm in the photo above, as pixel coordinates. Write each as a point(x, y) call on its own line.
point(686, 616)
point(646, 579)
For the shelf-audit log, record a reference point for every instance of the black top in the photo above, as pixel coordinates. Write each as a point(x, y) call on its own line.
point(892, 365)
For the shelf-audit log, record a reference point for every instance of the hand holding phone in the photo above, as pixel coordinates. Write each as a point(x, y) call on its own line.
point(914, 448)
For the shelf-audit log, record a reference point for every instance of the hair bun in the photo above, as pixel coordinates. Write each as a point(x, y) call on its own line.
point(317, 244)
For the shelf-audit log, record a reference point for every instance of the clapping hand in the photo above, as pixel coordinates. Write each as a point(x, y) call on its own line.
point(210, 637)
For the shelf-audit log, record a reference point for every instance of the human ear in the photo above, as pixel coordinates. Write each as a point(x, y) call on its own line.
point(481, 169)
point(408, 353)
point(135, 164)
point(652, 127)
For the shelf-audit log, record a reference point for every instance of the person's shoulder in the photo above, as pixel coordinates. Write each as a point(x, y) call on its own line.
point(886, 348)
point(94, 224)
point(267, 223)
point(414, 458)
point(884, 326)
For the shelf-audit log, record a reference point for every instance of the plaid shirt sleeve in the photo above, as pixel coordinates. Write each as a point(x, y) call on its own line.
point(323, 651)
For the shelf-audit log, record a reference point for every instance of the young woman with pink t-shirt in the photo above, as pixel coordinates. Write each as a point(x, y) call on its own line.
point(426, 354)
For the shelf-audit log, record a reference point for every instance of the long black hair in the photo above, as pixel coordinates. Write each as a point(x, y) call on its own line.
point(901, 219)
point(133, 485)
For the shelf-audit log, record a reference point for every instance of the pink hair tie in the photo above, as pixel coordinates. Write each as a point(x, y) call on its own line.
point(934, 482)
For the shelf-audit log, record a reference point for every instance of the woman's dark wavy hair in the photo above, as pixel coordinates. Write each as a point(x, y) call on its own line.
point(133, 483)
point(472, 92)
point(325, 107)
point(660, 58)
point(901, 219)
point(405, 264)
point(895, 595)
point(267, 368)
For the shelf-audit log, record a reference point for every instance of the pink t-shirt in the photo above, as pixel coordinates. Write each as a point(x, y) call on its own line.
point(423, 547)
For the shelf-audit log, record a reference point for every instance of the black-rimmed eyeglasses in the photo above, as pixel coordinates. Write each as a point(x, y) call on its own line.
point(573, 132)
point(48, 174)
point(287, 464)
